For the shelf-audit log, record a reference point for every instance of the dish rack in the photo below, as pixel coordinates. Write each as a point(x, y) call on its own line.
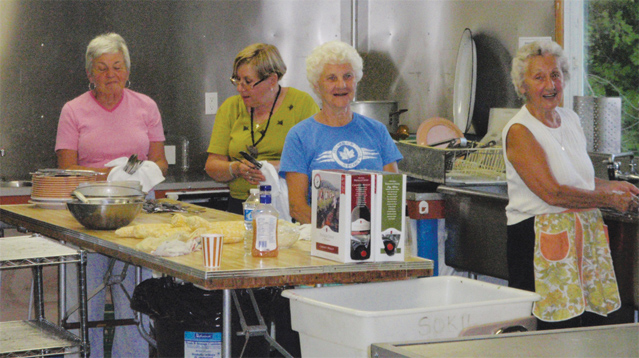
point(471, 165)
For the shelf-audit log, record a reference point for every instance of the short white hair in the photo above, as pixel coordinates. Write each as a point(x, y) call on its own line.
point(107, 43)
point(332, 53)
point(536, 48)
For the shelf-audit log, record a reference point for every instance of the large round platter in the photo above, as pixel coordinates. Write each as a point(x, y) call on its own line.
point(435, 130)
point(465, 82)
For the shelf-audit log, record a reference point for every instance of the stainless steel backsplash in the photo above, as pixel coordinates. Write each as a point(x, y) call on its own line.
point(182, 49)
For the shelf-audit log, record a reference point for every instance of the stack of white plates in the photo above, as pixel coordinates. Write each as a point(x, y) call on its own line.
point(53, 191)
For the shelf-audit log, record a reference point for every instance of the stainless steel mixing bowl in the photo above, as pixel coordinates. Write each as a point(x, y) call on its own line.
point(106, 189)
point(106, 215)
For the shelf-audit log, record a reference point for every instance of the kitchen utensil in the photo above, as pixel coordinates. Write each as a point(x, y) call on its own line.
point(109, 190)
point(126, 183)
point(105, 216)
point(250, 158)
point(437, 131)
point(382, 111)
point(80, 196)
point(133, 164)
point(57, 184)
point(465, 82)
point(454, 142)
point(492, 143)
point(64, 172)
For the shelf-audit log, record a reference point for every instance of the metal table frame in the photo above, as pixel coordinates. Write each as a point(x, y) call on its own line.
point(39, 336)
point(227, 280)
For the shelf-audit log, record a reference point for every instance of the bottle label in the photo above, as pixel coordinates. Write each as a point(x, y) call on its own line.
point(248, 216)
point(202, 344)
point(266, 232)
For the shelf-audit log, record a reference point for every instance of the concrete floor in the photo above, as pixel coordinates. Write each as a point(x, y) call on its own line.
point(15, 291)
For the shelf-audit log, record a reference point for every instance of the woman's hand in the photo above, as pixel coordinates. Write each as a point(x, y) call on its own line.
point(220, 169)
point(249, 172)
point(623, 202)
point(623, 195)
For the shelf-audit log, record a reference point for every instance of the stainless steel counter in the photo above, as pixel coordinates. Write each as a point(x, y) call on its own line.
point(476, 229)
point(178, 181)
point(603, 341)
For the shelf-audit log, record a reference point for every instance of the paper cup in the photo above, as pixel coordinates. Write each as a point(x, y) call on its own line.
point(212, 250)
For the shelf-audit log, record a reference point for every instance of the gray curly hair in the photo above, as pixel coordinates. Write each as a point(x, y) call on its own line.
point(537, 48)
point(107, 43)
point(332, 53)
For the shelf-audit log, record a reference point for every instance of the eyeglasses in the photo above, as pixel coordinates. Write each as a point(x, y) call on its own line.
point(238, 82)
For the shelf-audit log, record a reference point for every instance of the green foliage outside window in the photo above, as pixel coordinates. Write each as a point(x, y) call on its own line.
point(612, 60)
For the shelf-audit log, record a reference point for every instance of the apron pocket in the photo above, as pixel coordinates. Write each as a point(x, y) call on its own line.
point(554, 247)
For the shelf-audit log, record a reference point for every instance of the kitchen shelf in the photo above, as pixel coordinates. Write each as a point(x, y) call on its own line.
point(39, 337)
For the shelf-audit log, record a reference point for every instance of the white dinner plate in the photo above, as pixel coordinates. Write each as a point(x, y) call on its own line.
point(465, 82)
point(51, 205)
point(435, 130)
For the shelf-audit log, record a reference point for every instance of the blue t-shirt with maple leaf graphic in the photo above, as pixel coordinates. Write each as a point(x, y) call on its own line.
point(364, 143)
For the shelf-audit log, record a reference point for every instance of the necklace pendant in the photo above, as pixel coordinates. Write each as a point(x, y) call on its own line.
point(252, 151)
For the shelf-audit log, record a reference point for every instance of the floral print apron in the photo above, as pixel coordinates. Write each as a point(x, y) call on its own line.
point(573, 266)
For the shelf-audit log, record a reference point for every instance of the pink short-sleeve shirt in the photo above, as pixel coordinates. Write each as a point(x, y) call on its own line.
point(100, 135)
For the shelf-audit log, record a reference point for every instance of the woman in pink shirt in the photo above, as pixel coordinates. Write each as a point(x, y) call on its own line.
point(108, 122)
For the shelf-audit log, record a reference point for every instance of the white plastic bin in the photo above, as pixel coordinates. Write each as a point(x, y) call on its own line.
point(343, 321)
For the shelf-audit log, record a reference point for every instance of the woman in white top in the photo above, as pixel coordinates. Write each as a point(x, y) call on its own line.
point(557, 242)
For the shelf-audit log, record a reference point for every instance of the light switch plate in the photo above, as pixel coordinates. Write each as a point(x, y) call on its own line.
point(210, 103)
point(169, 152)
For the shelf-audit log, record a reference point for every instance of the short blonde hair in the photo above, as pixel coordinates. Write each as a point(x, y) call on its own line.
point(106, 43)
point(332, 53)
point(537, 48)
point(265, 58)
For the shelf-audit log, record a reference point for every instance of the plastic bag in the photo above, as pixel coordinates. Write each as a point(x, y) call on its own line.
point(279, 190)
point(181, 302)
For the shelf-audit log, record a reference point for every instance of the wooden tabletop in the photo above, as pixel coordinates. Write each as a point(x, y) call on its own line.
point(294, 266)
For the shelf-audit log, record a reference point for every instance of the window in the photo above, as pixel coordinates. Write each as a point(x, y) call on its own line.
point(602, 41)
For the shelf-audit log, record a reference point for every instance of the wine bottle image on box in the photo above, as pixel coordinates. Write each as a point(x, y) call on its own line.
point(360, 227)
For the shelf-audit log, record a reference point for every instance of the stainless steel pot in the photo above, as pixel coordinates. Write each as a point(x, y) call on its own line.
point(383, 111)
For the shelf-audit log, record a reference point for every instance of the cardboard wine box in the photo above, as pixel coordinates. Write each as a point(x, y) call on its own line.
point(388, 232)
point(341, 215)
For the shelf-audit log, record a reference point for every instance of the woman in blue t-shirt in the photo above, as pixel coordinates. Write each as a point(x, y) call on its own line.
point(335, 137)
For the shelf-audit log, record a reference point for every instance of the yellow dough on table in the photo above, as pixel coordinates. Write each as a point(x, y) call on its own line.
point(182, 228)
point(233, 231)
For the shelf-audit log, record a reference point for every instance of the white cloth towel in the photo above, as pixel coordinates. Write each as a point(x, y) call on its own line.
point(148, 174)
point(178, 248)
point(279, 190)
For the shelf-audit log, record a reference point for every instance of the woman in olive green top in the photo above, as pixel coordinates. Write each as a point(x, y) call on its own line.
point(255, 121)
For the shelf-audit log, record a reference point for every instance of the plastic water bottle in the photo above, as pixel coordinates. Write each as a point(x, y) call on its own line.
point(265, 229)
point(249, 206)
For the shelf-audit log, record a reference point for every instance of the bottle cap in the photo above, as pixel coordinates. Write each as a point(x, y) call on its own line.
point(254, 191)
point(265, 188)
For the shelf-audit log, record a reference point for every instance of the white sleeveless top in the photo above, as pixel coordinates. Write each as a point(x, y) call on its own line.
point(567, 157)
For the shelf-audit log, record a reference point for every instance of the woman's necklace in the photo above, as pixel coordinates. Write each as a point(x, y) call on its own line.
point(252, 149)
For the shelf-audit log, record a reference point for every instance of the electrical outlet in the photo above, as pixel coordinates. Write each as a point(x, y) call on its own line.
point(210, 103)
